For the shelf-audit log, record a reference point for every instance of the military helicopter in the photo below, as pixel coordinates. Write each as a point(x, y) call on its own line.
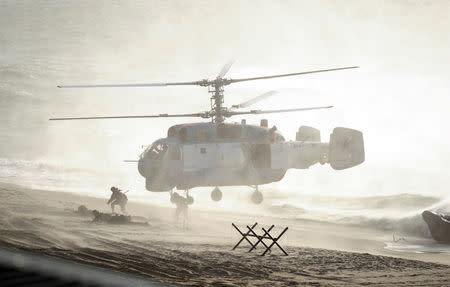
point(216, 153)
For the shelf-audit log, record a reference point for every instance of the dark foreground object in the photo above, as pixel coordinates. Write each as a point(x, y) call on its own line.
point(19, 268)
point(439, 226)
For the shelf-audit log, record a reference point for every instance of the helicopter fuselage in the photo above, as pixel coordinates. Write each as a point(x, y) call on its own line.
point(223, 154)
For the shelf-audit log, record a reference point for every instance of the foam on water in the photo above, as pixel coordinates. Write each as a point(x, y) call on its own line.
point(417, 245)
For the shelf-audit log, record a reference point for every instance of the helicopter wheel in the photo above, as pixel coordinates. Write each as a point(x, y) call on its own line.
point(257, 196)
point(216, 194)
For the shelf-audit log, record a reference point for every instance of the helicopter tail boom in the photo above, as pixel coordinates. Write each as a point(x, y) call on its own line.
point(345, 150)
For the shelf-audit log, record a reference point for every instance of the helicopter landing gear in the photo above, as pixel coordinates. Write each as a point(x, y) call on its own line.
point(257, 196)
point(216, 194)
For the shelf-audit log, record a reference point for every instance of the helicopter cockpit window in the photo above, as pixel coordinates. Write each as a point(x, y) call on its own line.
point(174, 152)
point(157, 151)
point(182, 134)
point(172, 132)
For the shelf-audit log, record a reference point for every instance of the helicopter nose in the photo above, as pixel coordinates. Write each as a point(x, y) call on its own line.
point(141, 167)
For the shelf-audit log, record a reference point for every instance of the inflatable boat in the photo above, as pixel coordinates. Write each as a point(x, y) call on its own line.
point(439, 225)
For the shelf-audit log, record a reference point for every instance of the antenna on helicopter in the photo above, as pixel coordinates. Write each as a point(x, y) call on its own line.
point(218, 113)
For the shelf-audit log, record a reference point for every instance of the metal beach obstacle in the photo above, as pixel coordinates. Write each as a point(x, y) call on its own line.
point(250, 235)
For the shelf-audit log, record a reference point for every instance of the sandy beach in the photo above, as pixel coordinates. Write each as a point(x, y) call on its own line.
point(320, 254)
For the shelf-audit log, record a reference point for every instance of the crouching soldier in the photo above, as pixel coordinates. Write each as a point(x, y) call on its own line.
point(118, 198)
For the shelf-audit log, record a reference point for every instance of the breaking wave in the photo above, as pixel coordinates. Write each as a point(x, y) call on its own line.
point(411, 225)
point(46, 174)
point(399, 213)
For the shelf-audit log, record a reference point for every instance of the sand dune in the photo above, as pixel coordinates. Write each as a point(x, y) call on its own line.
point(46, 223)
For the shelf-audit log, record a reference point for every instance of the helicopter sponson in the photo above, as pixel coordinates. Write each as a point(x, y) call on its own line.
point(223, 154)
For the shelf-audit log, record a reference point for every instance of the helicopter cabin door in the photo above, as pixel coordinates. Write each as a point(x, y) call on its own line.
point(261, 155)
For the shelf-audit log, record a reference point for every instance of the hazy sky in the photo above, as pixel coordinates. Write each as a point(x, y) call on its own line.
point(399, 97)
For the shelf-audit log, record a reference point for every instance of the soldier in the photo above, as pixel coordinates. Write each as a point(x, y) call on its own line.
point(118, 198)
point(182, 205)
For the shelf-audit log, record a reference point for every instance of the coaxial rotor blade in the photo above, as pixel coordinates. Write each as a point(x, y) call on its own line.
point(225, 69)
point(201, 115)
point(257, 112)
point(254, 100)
point(197, 83)
point(230, 81)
